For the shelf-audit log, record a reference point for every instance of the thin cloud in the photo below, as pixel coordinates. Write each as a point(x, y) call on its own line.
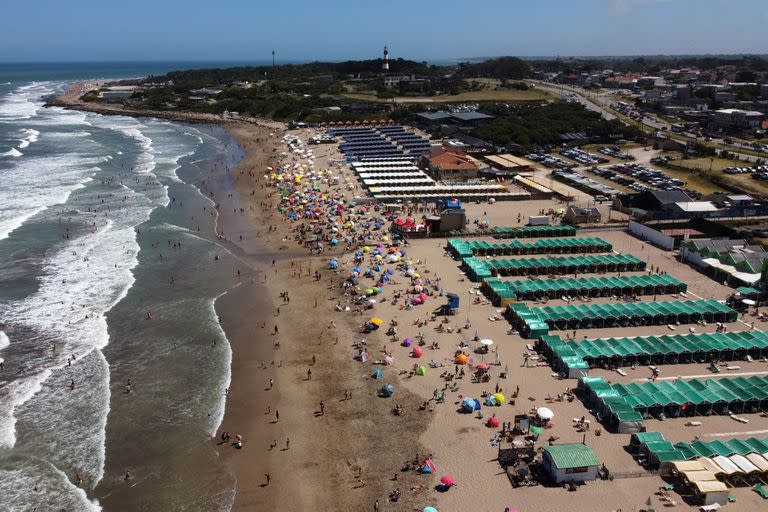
point(621, 7)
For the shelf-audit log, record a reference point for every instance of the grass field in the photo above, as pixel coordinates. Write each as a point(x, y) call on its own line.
point(700, 177)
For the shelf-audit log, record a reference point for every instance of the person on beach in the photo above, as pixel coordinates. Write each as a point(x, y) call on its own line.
point(309, 373)
point(277, 415)
point(322, 408)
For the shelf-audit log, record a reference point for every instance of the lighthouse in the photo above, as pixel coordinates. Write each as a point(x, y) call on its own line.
point(385, 62)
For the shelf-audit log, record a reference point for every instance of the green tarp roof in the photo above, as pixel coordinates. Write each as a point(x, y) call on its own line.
point(464, 248)
point(616, 284)
point(534, 231)
point(480, 268)
point(681, 393)
point(653, 312)
point(724, 344)
point(689, 451)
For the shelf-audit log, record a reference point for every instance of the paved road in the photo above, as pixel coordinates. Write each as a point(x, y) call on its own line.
point(601, 103)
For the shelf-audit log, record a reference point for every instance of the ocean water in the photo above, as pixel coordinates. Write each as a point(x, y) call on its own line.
point(97, 215)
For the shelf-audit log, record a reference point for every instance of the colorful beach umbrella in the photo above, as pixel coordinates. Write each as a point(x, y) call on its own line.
point(447, 480)
point(376, 321)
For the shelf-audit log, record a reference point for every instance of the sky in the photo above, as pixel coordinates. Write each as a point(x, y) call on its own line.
point(301, 30)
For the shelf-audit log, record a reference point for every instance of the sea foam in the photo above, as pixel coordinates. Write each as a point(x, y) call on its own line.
point(13, 152)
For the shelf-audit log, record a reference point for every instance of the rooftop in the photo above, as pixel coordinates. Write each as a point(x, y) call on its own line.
point(567, 456)
point(696, 206)
point(452, 160)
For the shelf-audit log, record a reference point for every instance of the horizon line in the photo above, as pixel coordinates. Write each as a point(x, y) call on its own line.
point(415, 59)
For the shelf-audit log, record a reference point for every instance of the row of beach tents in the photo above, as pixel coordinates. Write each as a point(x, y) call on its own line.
point(478, 269)
point(535, 231)
point(502, 292)
point(459, 248)
point(734, 462)
point(574, 358)
point(678, 398)
point(536, 322)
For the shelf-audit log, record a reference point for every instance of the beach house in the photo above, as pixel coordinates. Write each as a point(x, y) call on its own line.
point(570, 463)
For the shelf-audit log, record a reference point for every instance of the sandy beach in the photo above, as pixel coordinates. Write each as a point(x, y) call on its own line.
point(362, 436)
point(315, 435)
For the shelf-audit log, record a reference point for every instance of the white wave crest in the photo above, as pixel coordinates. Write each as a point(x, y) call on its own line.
point(14, 394)
point(13, 152)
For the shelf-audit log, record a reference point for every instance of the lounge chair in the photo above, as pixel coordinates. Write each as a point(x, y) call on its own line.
point(761, 491)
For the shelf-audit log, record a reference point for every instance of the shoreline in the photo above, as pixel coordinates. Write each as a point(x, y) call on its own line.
point(357, 434)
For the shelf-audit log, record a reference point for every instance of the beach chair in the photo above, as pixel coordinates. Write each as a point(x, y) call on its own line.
point(761, 491)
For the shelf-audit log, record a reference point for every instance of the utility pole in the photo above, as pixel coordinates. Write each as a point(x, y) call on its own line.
point(273, 58)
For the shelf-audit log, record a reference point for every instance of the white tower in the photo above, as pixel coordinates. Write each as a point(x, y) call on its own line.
point(385, 63)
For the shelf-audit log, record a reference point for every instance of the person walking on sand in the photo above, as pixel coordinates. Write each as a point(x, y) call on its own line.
point(276, 331)
point(309, 373)
point(277, 415)
point(287, 443)
point(322, 408)
point(266, 475)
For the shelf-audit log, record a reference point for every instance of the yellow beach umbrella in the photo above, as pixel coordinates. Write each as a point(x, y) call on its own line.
point(500, 399)
point(377, 321)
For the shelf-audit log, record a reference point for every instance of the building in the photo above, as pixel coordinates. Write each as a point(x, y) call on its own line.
point(453, 165)
point(737, 120)
point(469, 143)
point(575, 215)
point(570, 463)
point(511, 163)
point(649, 82)
point(466, 119)
point(726, 260)
point(658, 200)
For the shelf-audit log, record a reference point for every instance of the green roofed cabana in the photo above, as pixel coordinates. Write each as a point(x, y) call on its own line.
point(459, 248)
point(748, 291)
point(654, 350)
point(736, 461)
point(681, 398)
point(570, 462)
point(634, 314)
point(478, 269)
point(535, 231)
point(645, 284)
